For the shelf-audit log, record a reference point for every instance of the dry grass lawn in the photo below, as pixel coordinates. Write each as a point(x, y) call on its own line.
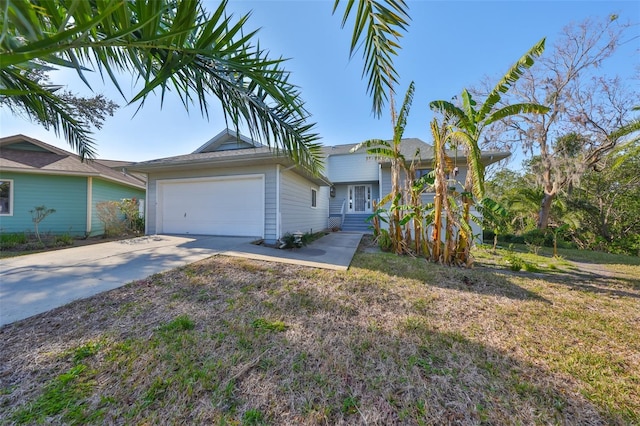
point(391, 341)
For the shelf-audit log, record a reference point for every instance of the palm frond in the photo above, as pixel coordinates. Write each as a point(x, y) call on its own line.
point(171, 46)
point(379, 25)
point(510, 78)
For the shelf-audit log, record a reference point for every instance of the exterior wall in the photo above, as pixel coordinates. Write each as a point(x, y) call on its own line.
point(352, 168)
point(270, 192)
point(66, 194)
point(296, 212)
point(103, 190)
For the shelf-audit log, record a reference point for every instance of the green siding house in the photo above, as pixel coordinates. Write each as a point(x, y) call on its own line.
point(33, 173)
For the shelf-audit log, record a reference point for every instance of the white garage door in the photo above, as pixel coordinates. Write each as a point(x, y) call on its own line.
point(231, 205)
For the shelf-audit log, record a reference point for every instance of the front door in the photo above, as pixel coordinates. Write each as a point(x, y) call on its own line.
point(360, 199)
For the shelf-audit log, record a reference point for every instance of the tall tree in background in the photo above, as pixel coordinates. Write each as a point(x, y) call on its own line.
point(167, 45)
point(88, 111)
point(586, 108)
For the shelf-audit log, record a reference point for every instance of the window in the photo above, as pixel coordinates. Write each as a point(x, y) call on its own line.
point(314, 198)
point(6, 197)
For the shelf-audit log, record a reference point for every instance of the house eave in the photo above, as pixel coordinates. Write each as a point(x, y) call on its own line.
point(251, 159)
point(141, 185)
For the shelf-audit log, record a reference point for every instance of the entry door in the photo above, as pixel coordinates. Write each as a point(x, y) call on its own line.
point(360, 199)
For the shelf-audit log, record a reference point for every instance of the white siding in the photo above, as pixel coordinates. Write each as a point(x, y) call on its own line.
point(296, 211)
point(269, 172)
point(352, 168)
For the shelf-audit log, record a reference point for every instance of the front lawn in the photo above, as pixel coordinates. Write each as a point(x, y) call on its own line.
point(391, 341)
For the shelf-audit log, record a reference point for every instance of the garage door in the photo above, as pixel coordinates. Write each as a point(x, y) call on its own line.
point(231, 205)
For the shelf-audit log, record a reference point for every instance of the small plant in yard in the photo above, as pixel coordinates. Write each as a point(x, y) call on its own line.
point(296, 240)
point(515, 262)
point(8, 241)
point(38, 214)
point(253, 417)
point(266, 325)
point(350, 405)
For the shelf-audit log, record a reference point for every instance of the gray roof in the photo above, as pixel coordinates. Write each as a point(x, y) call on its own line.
point(225, 158)
point(414, 148)
point(22, 154)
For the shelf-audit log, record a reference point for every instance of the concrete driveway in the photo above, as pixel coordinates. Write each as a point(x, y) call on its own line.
point(39, 282)
point(36, 283)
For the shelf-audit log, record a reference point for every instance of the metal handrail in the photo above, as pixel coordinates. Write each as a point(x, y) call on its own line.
point(343, 212)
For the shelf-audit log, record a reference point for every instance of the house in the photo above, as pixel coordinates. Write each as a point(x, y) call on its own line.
point(359, 179)
point(33, 173)
point(233, 186)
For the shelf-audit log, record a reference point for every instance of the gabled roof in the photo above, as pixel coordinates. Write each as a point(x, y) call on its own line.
point(228, 140)
point(22, 154)
point(220, 152)
point(414, 148)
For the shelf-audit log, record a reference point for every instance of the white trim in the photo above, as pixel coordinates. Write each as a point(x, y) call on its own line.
point(11, 188)
point(351, 203)
point(89, 203)
point(312, 191)
point(160, 182)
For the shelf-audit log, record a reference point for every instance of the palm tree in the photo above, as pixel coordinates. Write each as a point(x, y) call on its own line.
point(168, 45)
point(469, 125)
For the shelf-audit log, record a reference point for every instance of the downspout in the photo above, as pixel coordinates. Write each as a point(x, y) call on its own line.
point(379, 182)
point(89, 204)
point(278, 218)
point(146, 206)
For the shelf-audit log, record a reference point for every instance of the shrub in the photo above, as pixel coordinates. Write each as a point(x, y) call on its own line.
point(8, 241)
point(110, 216)
point(384, 240)
point(515, 262)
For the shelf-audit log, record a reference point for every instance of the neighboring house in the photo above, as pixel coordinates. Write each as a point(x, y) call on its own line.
point(33, 173)
point(233, 186)
point(360, 178)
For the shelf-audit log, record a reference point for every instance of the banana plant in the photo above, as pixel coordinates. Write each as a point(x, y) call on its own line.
point(469, 121)
point(390, 150)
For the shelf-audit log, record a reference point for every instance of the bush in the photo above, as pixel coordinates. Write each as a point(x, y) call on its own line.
point(516, 263)
point(384, 240)
point(110, 216)
point(8, 241)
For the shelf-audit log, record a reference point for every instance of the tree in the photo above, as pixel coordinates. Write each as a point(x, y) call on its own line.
point(87, 111)
point(169, 45)
point(587, 109)
point(608, 201)
point(470, 122)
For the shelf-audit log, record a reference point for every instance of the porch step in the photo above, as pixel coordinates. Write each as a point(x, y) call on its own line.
point(356, 222)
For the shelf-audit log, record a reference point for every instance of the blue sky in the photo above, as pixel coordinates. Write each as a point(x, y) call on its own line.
point(450, 45)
